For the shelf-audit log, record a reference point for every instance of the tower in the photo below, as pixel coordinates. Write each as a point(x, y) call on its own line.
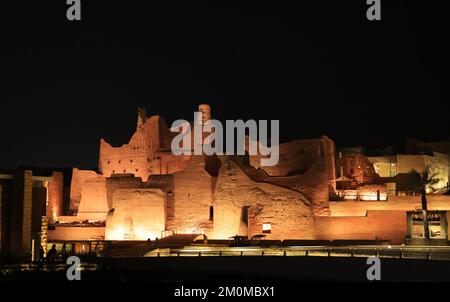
point(205, 109)
point(142, 117)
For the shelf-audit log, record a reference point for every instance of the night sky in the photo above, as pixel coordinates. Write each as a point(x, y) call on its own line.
point(319, 68)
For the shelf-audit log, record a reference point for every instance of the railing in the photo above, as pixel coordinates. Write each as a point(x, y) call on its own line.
point(168, 233)
point(360, 197)
point(421, 253)
point(197, 231)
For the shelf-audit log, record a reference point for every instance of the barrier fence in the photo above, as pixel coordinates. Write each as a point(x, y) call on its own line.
point(424, 253)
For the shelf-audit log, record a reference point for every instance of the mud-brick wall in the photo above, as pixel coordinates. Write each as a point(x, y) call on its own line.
point(387, 225)
point(55, 195)
point(139, 155)
point(78, 179)
point(118, 182)
point(310, 166)
point(192, 197)
point(288, 216)
point(76, 233)
point(139, 214)
point(288, 211)
point(93, 199)
point(294, 157)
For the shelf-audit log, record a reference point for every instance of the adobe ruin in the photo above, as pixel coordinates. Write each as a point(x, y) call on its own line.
point(143, 191)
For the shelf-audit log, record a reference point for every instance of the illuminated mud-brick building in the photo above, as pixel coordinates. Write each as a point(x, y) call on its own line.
point(142, 191)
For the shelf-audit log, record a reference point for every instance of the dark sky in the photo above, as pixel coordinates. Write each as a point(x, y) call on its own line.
point(319, 68)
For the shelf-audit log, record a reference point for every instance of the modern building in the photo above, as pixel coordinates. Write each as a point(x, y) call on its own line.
point(26, 200)
point(401, 164)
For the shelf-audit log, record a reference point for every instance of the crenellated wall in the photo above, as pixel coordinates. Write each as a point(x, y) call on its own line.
point(143, 155)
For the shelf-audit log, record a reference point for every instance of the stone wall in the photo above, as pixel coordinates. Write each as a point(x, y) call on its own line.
point(138, 214)
point(241, 206)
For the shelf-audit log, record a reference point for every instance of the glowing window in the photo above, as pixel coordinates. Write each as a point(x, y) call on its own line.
point(267, 228)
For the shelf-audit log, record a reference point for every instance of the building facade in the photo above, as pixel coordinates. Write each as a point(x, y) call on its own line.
point(142, 191)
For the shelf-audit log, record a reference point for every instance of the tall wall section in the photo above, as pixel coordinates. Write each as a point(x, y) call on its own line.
point(242, 206)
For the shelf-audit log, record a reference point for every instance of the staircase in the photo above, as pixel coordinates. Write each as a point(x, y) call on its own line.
point(139, 248)
point(127, 249)
point(177, 240)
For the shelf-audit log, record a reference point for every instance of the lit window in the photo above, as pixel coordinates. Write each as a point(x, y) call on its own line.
point(267, 228)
